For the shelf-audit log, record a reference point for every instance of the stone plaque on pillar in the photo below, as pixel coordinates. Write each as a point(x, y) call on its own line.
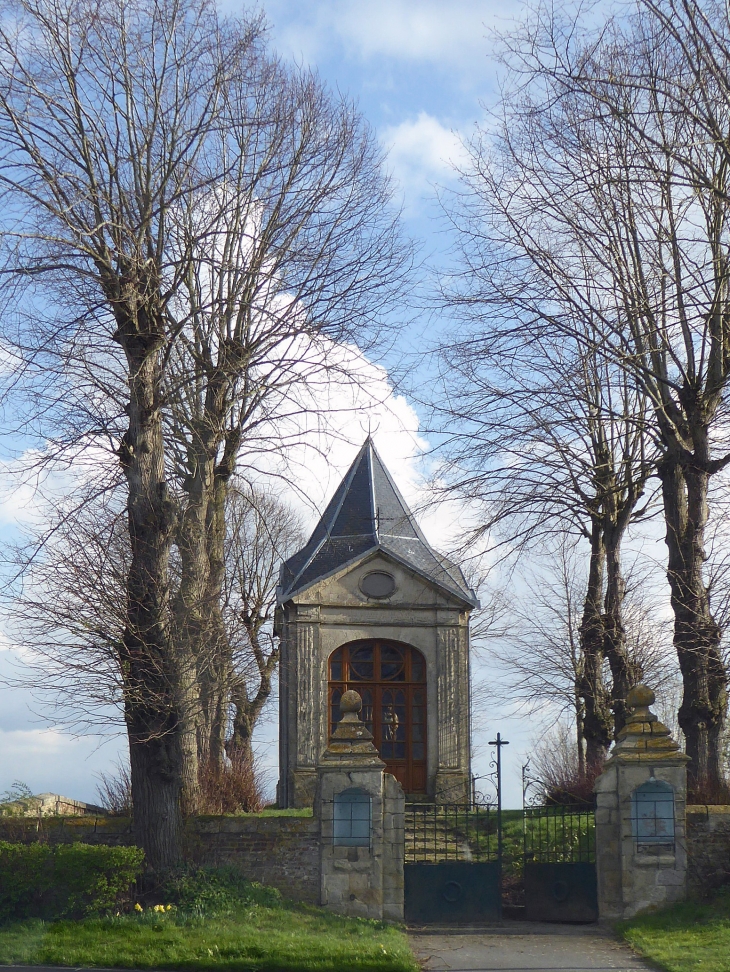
point(641, 854)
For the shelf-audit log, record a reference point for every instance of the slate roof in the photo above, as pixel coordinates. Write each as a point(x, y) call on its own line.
point(366, 514)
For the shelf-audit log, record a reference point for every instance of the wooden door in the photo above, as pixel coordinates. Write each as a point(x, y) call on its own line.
point(391, 679)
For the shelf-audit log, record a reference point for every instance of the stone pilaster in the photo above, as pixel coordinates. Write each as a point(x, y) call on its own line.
point(307, 710)
point(637, 872)
point(452, 783)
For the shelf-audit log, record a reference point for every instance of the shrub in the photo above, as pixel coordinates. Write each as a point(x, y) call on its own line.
point(230, 787)
point(66, 881)
point(559, 780)
point(207, 892)
point(115, 791)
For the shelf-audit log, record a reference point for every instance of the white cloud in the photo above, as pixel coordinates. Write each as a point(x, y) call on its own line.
point(408, 30)
point(31, 482)
point(330, 423)
point(433, 31)
point(422, 152)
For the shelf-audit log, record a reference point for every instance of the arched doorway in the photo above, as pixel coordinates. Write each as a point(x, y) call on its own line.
point(391, 678)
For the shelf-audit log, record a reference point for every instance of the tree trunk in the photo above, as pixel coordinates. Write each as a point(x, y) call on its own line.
point(625, 672)
point(219, 677)
point(151, 711)
point(240, 744)
point(189, 613)
point(696, 633)
point(579, 735)
point(597, 719)
point(156, 793)
point(247, 710)
point(246, 714)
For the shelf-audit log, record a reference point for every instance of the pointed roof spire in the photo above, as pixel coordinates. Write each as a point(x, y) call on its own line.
point(368, 513)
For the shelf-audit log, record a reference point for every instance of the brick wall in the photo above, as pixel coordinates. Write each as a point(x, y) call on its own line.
point(708, 848)
point(280, 851)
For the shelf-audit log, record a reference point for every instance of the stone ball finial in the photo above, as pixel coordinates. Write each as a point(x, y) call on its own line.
point(644, 738)
point(640, 696)
point(350, 702)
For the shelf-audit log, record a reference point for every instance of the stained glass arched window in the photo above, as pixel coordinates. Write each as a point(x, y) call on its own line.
point(391, 679)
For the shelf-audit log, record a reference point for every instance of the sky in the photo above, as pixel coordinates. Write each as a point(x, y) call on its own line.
point(421, 73)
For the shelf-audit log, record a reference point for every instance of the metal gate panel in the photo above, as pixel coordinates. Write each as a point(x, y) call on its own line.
point(453, 892)
point(564, 891)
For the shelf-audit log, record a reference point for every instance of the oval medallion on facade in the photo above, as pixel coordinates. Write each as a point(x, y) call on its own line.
point(377, 584)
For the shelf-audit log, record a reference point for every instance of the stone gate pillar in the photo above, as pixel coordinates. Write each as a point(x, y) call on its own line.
point(641, 853)
point(361, 811)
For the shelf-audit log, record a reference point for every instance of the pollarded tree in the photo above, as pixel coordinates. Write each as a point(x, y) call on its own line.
point(118, 119)
point(289, 258)
point(602, 200)
point(70, 616)
point(552, 443)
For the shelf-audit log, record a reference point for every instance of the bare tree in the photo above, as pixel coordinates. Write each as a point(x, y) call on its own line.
point(266, 534)
point(602, 200)
point(289, 257)
point(552, 443)
point(69, 618)
point(538, 662)
point(119, 119)
point(71, 615)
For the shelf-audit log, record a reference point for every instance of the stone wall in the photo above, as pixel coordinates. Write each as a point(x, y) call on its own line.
point(280, 851)
point(708, 848)
point(49, 805)
point(393, 848)
point(116, 831)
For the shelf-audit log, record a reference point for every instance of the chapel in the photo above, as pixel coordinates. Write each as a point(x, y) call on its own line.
point(367, 604)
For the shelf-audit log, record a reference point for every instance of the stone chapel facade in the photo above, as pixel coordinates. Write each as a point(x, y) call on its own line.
point(368, 605)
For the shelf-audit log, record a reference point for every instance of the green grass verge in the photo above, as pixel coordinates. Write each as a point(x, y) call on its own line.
point(277, 812)
point(281, 936)
point(266, 812)
point(689, 937)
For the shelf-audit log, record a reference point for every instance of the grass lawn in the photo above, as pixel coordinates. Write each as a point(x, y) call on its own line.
point(242, 929)
point(689, 937)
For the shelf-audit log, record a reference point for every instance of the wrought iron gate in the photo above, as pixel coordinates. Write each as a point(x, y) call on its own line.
point(452, 872)
point(559, 862)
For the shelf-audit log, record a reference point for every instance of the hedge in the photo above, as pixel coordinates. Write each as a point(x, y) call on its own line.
point(65, 881)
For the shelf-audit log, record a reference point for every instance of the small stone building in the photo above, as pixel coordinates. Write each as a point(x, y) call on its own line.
point(368, 605)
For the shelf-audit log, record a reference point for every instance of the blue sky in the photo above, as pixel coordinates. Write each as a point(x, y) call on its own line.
point(420, 72)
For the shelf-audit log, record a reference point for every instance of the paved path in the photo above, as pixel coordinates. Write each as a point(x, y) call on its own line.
point(523, 947)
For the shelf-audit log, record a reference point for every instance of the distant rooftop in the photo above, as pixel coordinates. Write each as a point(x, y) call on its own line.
point(367, 513)
point(49, 805)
